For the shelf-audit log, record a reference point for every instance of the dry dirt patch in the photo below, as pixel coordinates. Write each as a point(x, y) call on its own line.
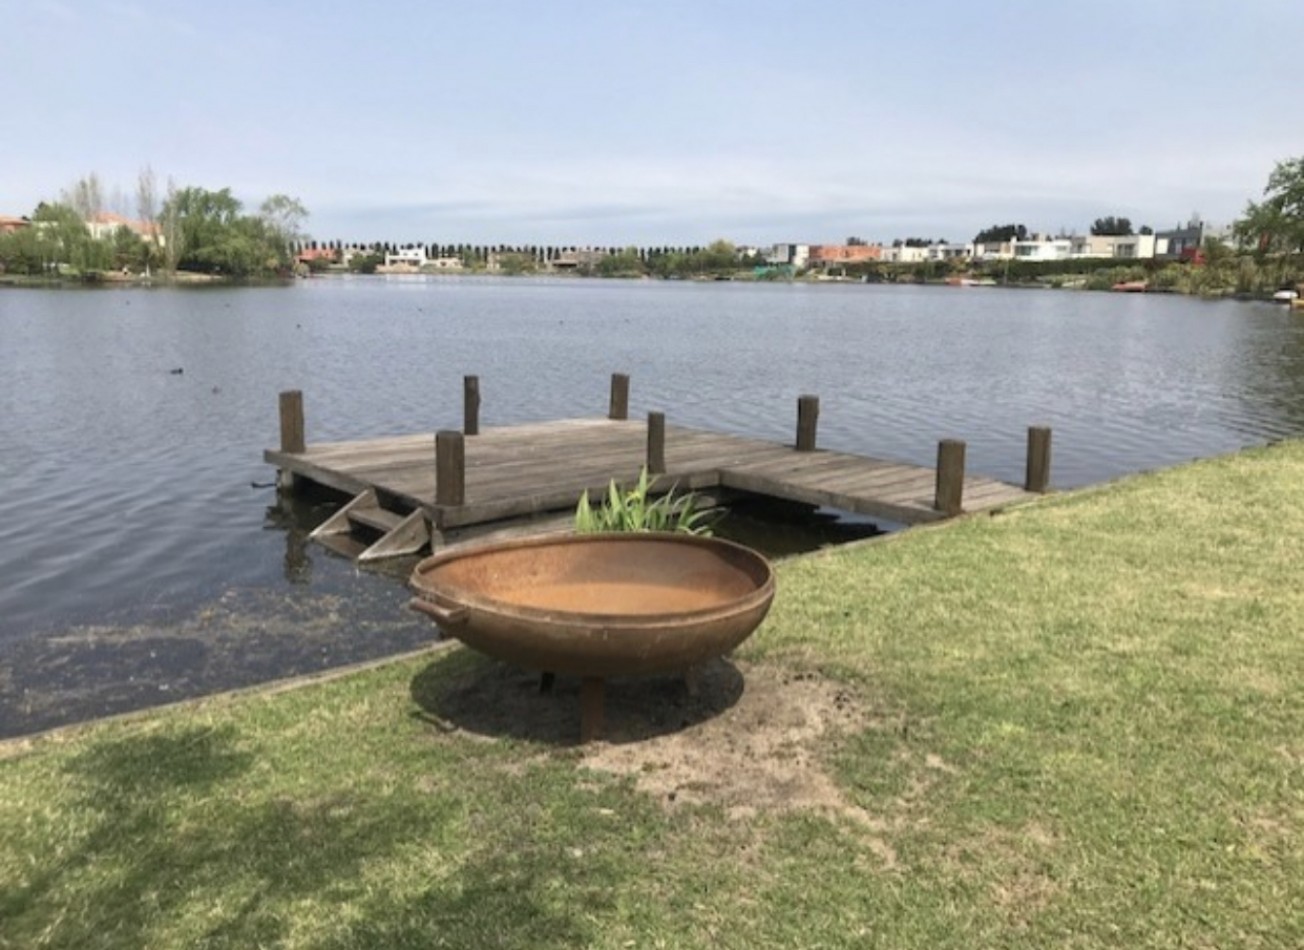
point(753, 738)
point(763, 753)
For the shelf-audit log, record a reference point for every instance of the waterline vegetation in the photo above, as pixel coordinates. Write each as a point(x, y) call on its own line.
point(1076, 724)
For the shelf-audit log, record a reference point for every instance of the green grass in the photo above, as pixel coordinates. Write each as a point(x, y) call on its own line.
point(1085, 729)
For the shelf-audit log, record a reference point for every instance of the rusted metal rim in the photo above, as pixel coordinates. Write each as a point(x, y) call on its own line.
point(449, 599)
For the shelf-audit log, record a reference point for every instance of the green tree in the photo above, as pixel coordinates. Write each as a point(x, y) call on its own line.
point(1276, 224)
point(1000, 233)
point(27, 251)
point(515, 263)
point(130, 250)
point(624, 263)
point(1111, 226)
point(283, 217)
point(67, 241)
point(206, 232)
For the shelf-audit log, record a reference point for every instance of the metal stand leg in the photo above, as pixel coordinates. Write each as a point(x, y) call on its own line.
point(592, 691)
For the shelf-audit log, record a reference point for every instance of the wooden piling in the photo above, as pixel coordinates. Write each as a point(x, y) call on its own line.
point(950, 477)
point(470, 405)
point(1038, 475)
point(292, 432)
point(619, 396)
point(656, 443)
point(450, 468)
point(808, 416)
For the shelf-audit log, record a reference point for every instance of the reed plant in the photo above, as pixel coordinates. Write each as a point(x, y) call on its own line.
point(634, 509)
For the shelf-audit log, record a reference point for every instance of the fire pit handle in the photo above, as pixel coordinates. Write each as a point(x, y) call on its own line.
point(444, 616)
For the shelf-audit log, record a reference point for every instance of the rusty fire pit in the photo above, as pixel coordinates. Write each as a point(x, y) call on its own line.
point(598, 605)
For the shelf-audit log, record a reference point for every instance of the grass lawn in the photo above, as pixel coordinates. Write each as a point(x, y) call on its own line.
point(1079, 724)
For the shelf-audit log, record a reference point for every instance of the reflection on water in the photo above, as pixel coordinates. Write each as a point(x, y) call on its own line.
point(131, 497)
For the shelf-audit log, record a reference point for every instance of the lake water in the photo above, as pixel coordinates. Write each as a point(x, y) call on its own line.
point(141, 562)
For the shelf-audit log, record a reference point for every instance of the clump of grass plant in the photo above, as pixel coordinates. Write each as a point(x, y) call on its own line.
point(632, 510)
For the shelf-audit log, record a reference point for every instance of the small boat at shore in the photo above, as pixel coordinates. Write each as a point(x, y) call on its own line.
point(1131, 286)
point(1285, 296)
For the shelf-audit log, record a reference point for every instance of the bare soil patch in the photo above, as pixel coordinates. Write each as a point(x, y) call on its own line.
point(753, 738)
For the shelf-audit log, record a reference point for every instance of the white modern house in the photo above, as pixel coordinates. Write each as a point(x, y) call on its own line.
point(1042, 248)
point(901, 254)
point(795, 256)
point(1121, 246)
point(414, 257)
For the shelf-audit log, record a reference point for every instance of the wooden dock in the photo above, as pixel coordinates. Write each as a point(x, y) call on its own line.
point(438, 488)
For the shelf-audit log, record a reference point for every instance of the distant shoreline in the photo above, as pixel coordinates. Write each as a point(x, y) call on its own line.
point(113, 280)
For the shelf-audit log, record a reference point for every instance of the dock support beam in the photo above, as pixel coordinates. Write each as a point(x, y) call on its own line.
point(619, 396)
point(450, 468)
point(808, 417)
point(656, 443)
point(950, 477)
point(1038, 476)
point(292, 432)
point(470, 405)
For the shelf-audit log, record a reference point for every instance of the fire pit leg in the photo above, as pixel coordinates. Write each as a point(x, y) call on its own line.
point(592, 689)
point(693, 680)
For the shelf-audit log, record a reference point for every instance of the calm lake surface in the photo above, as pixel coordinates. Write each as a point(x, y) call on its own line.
point(141, 563)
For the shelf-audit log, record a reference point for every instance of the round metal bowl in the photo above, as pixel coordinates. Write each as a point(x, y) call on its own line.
point(598, 605)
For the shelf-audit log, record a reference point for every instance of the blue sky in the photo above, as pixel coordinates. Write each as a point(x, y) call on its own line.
point(661, 122)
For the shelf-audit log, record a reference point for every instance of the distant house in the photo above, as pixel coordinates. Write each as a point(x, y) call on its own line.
point(407, 258)
point(105, 224)
point(1182, 243)
point(949, 252)
point(1119, 246)
point(9, 224)
point(795, 256)
point(993, 250)
point(576, 258)
point(1042, 248)
point(310, 254)
point(823, 255)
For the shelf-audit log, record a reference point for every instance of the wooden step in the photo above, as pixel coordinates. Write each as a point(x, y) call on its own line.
point(339, 522)
point(377, 519)
point(352, 530)
point(345, 545)
point(409, 536)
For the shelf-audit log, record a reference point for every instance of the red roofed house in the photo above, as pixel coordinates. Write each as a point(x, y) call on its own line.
point(9, 224)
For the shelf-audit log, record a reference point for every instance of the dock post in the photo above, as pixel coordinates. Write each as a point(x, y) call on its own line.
point(292, 438)
point(808, 416)
point(950, 476)
point(470, 405)
point(292, 433)
point(656, 443)
point(450, 468)
point(619, 396)
point(1038, 477)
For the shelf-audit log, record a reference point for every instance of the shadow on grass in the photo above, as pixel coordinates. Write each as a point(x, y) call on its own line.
point(175, 840)
point(472, 693)
point(173, 833)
